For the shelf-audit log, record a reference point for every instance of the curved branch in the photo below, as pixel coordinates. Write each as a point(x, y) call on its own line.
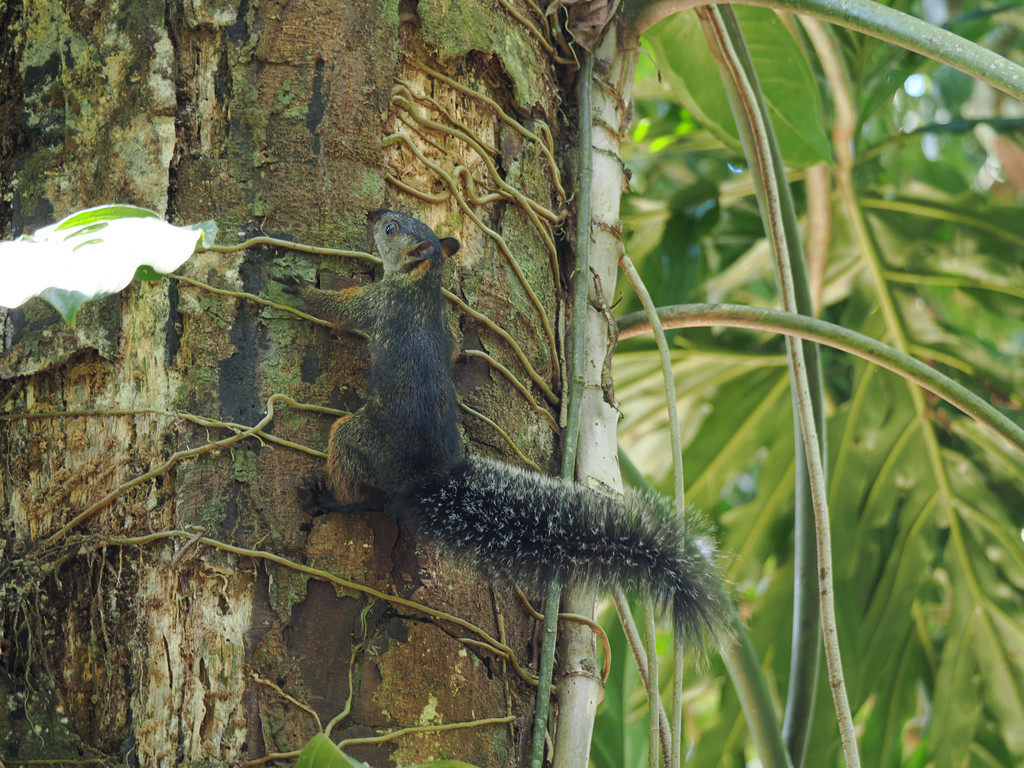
point(812, 329)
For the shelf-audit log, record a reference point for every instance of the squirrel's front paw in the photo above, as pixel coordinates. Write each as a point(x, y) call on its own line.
point(293, 284)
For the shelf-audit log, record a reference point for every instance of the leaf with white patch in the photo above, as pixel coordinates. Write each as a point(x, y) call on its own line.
point(94, 253)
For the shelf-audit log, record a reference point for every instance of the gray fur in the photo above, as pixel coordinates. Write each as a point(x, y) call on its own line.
point(534, 528)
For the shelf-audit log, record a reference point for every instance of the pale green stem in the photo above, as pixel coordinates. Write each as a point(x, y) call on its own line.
point(545, 672)
point(837, 337)
point(678, 657)
point(629, 627)
point(679, 497)
point(745, 672)
point(653, 702)
point(811, 582)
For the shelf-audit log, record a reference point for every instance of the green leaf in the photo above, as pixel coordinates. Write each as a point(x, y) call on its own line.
point(952, 726)
point(105, 213)
point(321, 752)
point(691, 72)
point(894, 703)
point(147, 274)
point(926, 505)
point(65, 302)
point(94, 253)
point(729, 436)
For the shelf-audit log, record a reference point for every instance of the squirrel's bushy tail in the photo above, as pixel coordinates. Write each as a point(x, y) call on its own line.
point(535, 528)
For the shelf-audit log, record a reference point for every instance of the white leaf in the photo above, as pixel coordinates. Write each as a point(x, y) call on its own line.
point(92, 253)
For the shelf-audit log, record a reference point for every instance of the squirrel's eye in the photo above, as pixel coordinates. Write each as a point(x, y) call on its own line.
point(389, 230)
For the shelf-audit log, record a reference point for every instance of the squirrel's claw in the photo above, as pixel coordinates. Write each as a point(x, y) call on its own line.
point(293, 284)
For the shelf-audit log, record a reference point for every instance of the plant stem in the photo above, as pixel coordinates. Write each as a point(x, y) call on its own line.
point(757, 136)
point(575, 381)
point(629, 627)
point(745, 672)
point(545, 671)
point(679, 496)
point(653, 688)
point(837, 337)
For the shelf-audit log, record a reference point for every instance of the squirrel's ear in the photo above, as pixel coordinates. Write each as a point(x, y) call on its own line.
point(450, 246)
point(417, 254)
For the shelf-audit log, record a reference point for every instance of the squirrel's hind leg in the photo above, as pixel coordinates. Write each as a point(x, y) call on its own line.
point(350, 470)
point(344, 488)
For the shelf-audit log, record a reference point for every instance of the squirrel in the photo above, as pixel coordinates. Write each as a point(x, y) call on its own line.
point(403, 447)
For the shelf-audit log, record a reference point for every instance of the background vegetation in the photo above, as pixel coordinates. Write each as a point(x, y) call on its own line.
point(913, 237)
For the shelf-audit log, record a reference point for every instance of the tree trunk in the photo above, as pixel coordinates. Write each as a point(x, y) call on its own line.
point(126, 638)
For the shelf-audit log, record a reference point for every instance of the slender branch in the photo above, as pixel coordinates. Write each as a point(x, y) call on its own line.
point(353, 657)
point(494, 425)
point(545, 672)
point(273, 756)
point(678, 658)
point(545, 146)
point(598, 630)
point(515, 383)
point(872, 19)
point(288, 697)
point(837, 337)
point(398, 732)
point(290, 245)
point(811, 583)
point(679, 497)
point(653, 688)
point(258, 300)
point(510, 340)
point(636, 647)
point(826, 588)
point(177, 456)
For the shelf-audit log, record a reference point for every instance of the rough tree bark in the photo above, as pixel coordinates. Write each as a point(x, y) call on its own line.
point(290, 119)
